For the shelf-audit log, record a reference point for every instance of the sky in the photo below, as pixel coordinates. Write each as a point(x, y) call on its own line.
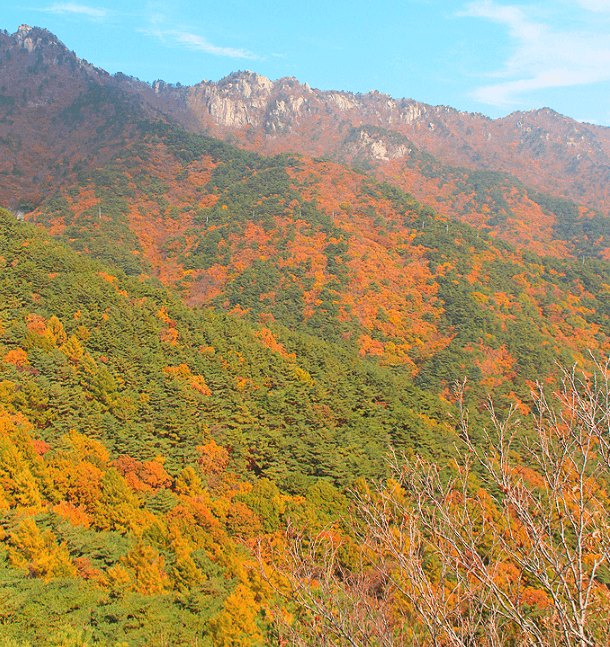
point(486, 56)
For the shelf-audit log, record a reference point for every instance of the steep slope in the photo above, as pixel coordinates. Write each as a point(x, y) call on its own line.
point(85, 349)
point(59, 115)
point(321, 248)
point(142, 445)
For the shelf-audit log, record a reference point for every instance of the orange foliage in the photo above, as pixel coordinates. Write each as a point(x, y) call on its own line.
point(145, 477)
point(169, 336)
point(40, 446)
point(497, 365)
point(370, 346)
point(269, 340)
point(183, 372)
point(212, 458)
point(86, 571)
point(76, 515)
point(165, 318)
point(18, 357)
point(36, 323)
point(107, 277)
point(198, 383)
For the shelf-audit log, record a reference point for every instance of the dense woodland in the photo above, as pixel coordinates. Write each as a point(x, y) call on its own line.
point(148, 445)
point(208, 356)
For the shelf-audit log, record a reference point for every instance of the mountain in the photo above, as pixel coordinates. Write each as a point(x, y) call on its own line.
point(319, 247)
point(344, 253)
point(541, 148)
point(227, 303)
point(61, 115)
point(418, 147)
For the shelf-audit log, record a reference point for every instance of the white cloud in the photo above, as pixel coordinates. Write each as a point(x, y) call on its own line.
point(594, 5)
point(508, 93)
point(543, 56)
point(83, 10)
point(200, 44)
point(183, 38)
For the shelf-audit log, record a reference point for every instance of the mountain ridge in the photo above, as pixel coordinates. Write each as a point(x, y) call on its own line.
point(222, 333)
point(540, 147)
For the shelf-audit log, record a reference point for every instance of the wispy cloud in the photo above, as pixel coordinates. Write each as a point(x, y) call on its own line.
point(200, 44)
point(195, 42)
point(79, 9)
point(543, 56)
point(594, 5)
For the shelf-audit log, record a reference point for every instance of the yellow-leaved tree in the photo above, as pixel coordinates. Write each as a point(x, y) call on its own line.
point(508, 545)
point(38, 552)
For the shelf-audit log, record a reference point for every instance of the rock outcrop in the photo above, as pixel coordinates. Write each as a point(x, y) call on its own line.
point(541, 148)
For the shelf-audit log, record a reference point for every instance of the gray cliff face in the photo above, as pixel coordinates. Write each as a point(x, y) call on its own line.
point(365, 145)
point(540, 147)
point(248, 99)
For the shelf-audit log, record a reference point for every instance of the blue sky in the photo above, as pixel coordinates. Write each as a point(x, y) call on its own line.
point(486, 56)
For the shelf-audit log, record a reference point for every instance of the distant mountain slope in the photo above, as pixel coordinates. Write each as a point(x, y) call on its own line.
point(321, 248)
point(59, 115)
point(541, 148)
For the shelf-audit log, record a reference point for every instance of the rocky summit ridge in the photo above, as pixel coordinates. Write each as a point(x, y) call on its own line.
point(541, 148)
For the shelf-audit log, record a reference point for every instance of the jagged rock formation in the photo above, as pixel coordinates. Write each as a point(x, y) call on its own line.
point(47, 90)
point(540, 147)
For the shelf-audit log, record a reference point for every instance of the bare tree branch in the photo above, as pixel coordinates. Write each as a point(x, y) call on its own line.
point(506, 546)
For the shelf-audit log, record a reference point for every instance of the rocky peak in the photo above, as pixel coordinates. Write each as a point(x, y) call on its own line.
point(163, 89)
point(22, 35)
point(39, 49)
point(33, 38)
point(245, 84)
point(369, 142)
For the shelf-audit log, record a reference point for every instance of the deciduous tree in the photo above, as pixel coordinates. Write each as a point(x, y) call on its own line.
point(508, 545)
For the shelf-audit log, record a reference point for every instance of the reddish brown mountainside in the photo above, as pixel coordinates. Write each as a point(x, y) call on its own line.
point(59, 116)
point(39, 79)
point(542, 148)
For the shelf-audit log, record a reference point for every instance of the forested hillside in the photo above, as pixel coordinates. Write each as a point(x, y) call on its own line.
point(143, 443)
point(321, 248)
point(205, 346)
point(147, 445)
